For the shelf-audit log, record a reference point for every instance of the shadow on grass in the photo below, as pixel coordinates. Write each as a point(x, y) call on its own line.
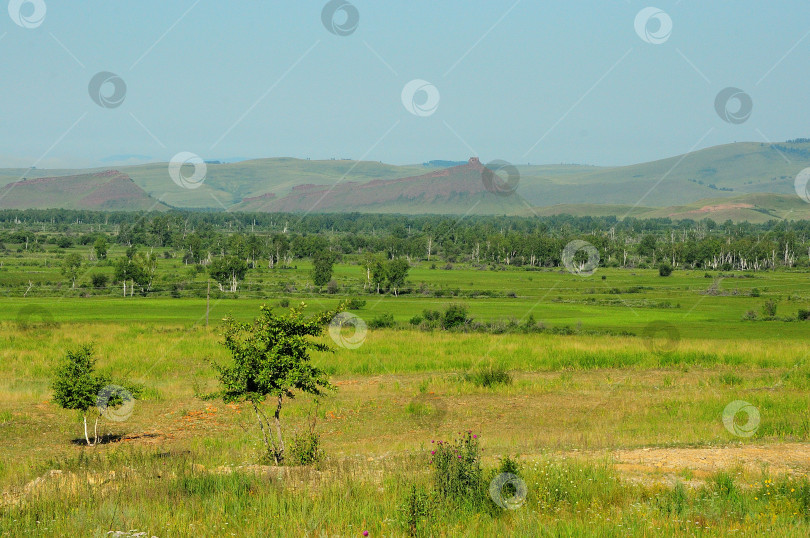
point(110, 438)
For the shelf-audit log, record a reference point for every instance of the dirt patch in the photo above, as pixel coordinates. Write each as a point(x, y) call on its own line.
point(669, 465)
point(713, 209)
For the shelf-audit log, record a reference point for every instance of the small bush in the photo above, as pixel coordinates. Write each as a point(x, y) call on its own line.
point(284, 303)
point(803, 315)
point(489, 376)
point(355, 304)
point(750, 316)
point(332, 287)
point(382, 321)
point(664, 269)
point(416, 320)
point(431, 315)
point(304, 449)
point(769, 308)
point(99, 280)
point(754, 292)
point(454, 316)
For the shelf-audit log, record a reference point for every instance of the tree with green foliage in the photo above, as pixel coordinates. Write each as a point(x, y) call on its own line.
point(100, 246)
point(138, 268)
point(664, 269)
point(647, 245)
point(322, 266)
point(228, 271)
point(71, 266)
point(271, 358)
point(387, 275)
point(76, 386)
point(396, 273)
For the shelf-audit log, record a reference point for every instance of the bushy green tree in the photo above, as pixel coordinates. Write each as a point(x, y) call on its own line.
point(271, 358)
point(71, 266)
point(228, 271)
point(77, 386)
point(388, 275)
point(137, 267)
point(100, 246)
point(322, 265)
point(396, 273)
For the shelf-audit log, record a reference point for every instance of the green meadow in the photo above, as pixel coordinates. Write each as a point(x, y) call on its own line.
point(592, 391)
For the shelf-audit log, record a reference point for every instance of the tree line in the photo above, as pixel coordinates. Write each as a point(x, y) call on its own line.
point(230, 244)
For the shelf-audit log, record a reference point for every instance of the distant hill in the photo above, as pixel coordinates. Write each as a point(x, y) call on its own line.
point(755, 208)
point(458, 189)
point(110, 190)
point(685, 186)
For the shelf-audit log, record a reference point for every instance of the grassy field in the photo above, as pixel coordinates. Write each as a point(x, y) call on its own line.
point(617, 432)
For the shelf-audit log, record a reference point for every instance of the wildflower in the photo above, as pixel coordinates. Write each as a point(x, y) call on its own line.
point(365, 533)
point(432, 452)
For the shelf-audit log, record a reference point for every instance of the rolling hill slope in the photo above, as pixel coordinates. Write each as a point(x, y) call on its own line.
point(110, 190)
point(685, 184)
point(458, 189)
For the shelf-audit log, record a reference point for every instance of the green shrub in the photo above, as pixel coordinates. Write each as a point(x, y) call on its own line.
point(305, 449)
point(803, 315)
point(355, 304)
point(382, 321)
point(769, 308)
point(454, 316)
point(665, 269)
point(488, 376)
point(416, 320)
point(99, 280)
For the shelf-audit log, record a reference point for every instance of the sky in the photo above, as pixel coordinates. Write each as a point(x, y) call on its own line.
point(527, 81)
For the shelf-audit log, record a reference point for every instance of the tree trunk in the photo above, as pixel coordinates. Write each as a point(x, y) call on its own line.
point(86, 438)
point(278, 426)
point(264, 433)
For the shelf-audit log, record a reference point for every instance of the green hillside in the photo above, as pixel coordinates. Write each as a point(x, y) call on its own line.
point(742, 167)
point(673, 185)
point(109, 190)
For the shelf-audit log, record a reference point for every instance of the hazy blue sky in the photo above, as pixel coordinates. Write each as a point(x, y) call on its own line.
point(526, 81)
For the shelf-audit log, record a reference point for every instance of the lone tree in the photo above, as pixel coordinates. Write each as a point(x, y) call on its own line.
point(100, 246)
point(71, 266)
point(389, 275)
point(228, 271)
point(271, 357)
point(322, 263)
point(76, 386)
